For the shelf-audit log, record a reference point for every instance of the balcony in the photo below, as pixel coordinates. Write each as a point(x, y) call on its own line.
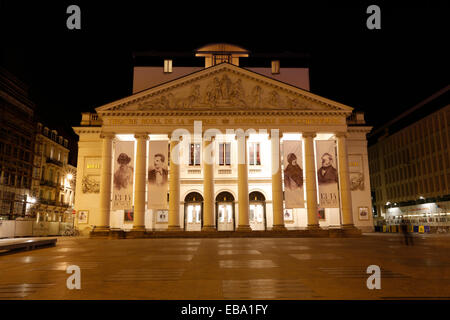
point(48, 183)
point(55, 162)
point(48, 202)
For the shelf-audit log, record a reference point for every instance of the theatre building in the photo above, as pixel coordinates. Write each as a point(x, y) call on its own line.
point(222, 147)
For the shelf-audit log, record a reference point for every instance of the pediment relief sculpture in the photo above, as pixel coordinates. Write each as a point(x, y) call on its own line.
point(226, 93)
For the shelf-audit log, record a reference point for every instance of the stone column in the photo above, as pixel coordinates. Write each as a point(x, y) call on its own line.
point(277, 189)
point(174, 186)
point(208, 184)
point(344, 181)
point(140, 182)
point(311, 188)
point(243, 205)
point(105, 184)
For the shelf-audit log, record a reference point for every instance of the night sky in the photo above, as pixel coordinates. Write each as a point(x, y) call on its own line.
point(382, 72)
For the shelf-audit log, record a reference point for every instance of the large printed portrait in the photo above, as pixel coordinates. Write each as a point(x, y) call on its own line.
point(293, 174)
point(327, 173)
point(123, 176)
point(158, 173)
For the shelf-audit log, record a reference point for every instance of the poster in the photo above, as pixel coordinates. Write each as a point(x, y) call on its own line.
point(83, 216)
point(327, 174)
point(162, 216)
point(363, 213)
point(356, 173)
point(158, 175)
point(123, 175)
point(128, 215)
point(293, 174)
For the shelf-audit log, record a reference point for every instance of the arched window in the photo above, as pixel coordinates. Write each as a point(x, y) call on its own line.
point(225, 196)
point(257, 196)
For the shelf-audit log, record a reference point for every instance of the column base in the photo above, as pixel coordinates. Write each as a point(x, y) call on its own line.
point(174, 228)
point(138, 228)
point(279, 228)
point(349, 230)
point(99, 232)
point(244, 229)
point(209, 229)
point(313, 227)
point(135, 234)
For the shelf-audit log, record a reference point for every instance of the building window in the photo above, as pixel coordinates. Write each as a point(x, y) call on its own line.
point(167, 66)
point(194, 154)
point(275, 67)
point(219, 58)
point(224, 154)
point(254, 154)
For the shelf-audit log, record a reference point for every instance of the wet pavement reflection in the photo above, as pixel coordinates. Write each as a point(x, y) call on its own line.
point(236, 268)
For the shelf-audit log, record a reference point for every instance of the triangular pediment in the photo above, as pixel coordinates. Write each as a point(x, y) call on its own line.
point(224, 87)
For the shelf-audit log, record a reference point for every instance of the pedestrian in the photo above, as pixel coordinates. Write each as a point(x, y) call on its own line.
point(406, 235)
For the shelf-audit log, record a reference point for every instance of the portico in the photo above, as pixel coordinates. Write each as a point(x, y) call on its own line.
point(224, 131)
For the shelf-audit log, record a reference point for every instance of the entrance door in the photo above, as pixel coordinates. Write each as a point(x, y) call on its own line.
point(225, 221)
point(257, 214)
point(225, 211)
point(194, 217)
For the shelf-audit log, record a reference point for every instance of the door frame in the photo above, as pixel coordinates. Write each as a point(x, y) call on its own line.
point(233, 210)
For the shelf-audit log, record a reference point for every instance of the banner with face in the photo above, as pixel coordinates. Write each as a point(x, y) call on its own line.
point(123, 175)
point(327, 174)
point(293, 174)
point(158, 174)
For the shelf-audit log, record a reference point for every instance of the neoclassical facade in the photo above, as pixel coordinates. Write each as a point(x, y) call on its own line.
point(209, 151)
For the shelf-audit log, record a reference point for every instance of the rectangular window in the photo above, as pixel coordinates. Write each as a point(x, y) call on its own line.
point(194, 154)
point(254, 154)
point(167, 66)
point(224, 154)
point(275, 66)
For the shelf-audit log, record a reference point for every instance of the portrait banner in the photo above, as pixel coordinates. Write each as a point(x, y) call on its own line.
point(123, 175)
point(293, 174)
point(158, 174)
point(327, 174)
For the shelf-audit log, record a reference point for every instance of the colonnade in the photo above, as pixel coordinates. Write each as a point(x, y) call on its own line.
point(208, 183)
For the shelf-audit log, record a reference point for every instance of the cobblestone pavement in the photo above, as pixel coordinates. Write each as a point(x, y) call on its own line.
point(238, 268)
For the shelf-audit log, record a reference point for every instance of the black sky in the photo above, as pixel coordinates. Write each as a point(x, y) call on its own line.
point(382, 72)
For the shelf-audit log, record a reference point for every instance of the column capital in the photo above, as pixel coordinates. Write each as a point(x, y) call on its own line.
point(143, 135)
point(171, 137)
point(308, 134)
point(209, 137)
point(280, 134)
point(341, 135)
point(107, 135)
point(238, 135)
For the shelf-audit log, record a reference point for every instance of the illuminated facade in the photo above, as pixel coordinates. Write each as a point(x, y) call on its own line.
point(410, 167)
point(222, 131)
point(53, 186)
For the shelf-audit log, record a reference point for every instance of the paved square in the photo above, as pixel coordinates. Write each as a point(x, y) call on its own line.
point(237, 268)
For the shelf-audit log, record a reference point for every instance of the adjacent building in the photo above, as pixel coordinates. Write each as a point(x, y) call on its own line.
point(16, 147)
point(53, 184)
point(222, 146)
point(410, 164)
